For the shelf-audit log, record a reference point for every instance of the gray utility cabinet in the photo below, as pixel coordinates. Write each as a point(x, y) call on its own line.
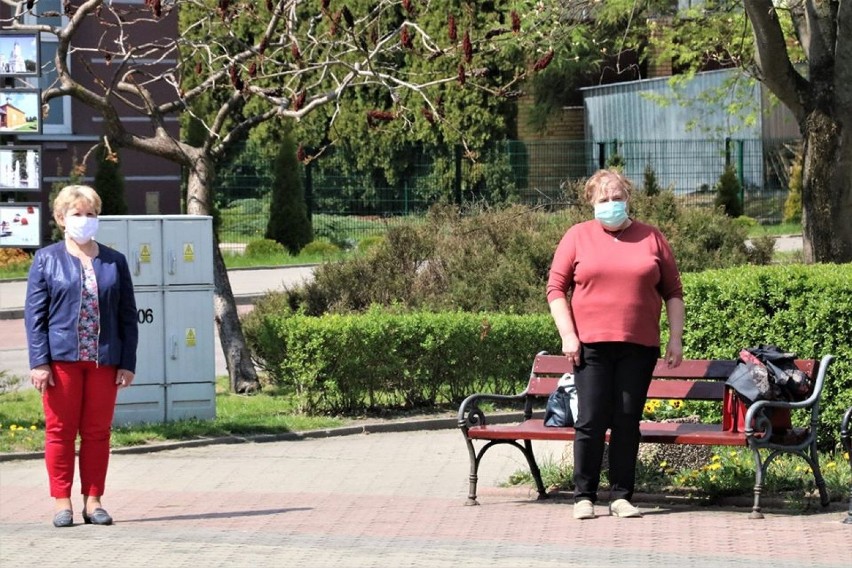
point(171, 262)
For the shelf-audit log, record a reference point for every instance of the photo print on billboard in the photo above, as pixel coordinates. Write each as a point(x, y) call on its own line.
point(20, 111)
point(19, 54)
point(20, 225)
point(20, 168)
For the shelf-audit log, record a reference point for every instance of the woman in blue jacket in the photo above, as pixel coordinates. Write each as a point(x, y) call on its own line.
point(82, 334)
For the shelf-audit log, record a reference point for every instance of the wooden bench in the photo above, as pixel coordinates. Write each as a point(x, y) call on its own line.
point(692, 380)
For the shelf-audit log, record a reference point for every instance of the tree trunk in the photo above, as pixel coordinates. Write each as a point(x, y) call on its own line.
point(241, 372)
point(827, 189)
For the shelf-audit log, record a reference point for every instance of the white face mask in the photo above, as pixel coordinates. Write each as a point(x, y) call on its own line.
point(81, 229)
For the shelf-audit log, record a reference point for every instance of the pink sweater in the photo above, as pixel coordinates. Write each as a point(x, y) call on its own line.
point(619, 285)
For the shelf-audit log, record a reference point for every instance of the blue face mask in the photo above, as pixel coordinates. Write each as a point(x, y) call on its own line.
point(611, 214)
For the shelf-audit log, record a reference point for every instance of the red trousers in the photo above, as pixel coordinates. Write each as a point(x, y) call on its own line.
point(81, 401)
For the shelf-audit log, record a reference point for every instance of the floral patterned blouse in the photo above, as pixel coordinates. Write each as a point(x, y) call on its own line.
point(87, 329)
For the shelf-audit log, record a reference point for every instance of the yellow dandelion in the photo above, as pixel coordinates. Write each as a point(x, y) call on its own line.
point(715, 466)
point(663, 464)
point(13, 427)
point(846, 456)
point(715, 458)
point(830, 465)
point(33, 427)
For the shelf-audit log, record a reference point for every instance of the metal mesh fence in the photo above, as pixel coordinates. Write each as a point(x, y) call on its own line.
point(346, 205)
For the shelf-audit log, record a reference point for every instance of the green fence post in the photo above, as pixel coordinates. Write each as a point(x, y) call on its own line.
point(740, 168)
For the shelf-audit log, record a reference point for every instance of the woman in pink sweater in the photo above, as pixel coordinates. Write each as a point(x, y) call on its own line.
point(608, 281)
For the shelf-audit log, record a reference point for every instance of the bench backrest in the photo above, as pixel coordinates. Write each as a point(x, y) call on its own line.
point(695, 379)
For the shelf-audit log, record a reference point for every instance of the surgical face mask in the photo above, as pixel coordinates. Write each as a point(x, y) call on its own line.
point(81, 229)
point(611, 214)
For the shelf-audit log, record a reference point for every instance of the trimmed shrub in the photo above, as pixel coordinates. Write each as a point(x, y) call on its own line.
point(348, 363)
point(264, 247)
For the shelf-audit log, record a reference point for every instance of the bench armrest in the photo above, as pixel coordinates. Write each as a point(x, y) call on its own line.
point(846, 432)
point(755, 415)
point(470, 414)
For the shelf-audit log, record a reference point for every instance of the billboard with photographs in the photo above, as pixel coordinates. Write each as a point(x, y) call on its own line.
point(20, 168)
point(19, 54)
point(20, 111)
point(20, 225)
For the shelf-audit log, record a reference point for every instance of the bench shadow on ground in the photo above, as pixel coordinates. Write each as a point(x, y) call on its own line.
point(218, 515)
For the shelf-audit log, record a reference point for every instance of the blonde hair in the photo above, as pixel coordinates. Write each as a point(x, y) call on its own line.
point(599, 181)
point(71, 194)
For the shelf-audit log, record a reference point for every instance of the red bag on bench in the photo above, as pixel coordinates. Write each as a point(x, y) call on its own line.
point(734, 414)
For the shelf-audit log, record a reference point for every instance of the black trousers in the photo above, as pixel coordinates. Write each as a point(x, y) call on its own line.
point(612, 385)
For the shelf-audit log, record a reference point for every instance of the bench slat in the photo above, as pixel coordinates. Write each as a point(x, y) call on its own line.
point(652, 432)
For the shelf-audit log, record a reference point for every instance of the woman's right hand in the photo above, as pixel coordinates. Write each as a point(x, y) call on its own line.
point(571, 348)
point(41, 377)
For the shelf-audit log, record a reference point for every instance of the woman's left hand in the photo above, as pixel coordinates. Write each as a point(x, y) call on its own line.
point(674, 352)
point(124, 378)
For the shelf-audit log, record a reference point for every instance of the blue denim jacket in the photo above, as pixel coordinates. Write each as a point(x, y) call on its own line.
point(52, 310)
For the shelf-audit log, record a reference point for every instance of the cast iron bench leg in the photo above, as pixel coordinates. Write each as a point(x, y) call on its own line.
point(536, 472)
point(758, 485)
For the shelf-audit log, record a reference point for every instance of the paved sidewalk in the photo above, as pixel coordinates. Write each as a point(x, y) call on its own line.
point(378, 500)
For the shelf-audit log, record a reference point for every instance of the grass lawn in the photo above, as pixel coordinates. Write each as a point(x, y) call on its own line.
point(22, 419)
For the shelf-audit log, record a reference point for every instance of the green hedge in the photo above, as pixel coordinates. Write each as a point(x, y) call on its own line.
point(346, 363)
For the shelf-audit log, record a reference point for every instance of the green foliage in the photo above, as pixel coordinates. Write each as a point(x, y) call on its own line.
point(264, 247)
point(793, 204)
point(728, 190)
point(401, 357)
point(649, 182)
point(288, 214)
point(339, 363)
point(496, 259)
point(321, 248)
point(109, 183)
point(806, 309)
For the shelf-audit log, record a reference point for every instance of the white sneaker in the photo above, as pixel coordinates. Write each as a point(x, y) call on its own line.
point(623, 509)
point(584, 509)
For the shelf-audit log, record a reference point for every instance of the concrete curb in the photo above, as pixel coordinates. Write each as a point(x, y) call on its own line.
point(370, 428)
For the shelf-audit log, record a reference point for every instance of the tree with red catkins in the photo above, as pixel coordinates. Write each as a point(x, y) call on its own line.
point(264, 43)
point(452, 32)
point(325, 4)
point(406, 4)
point(253, 69)
point(405, 38)
point(294, 51)
point(347, 17)
point(301, 155)
point(269, 6)
point(428, 115)
point(374, 117)
point(236, 80)
point(461, 76)
point(467, 47)
point(299, 100)
point(224, 6)
point(335, 22)
point(516, 22)
point(545, 60)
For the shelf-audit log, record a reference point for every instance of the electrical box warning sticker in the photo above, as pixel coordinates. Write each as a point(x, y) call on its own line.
point(188, 252)
point(190, 337)
point(144, 252)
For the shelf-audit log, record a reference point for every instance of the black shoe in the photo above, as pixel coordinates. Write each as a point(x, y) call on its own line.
point(63, 518)
point(98, 517)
